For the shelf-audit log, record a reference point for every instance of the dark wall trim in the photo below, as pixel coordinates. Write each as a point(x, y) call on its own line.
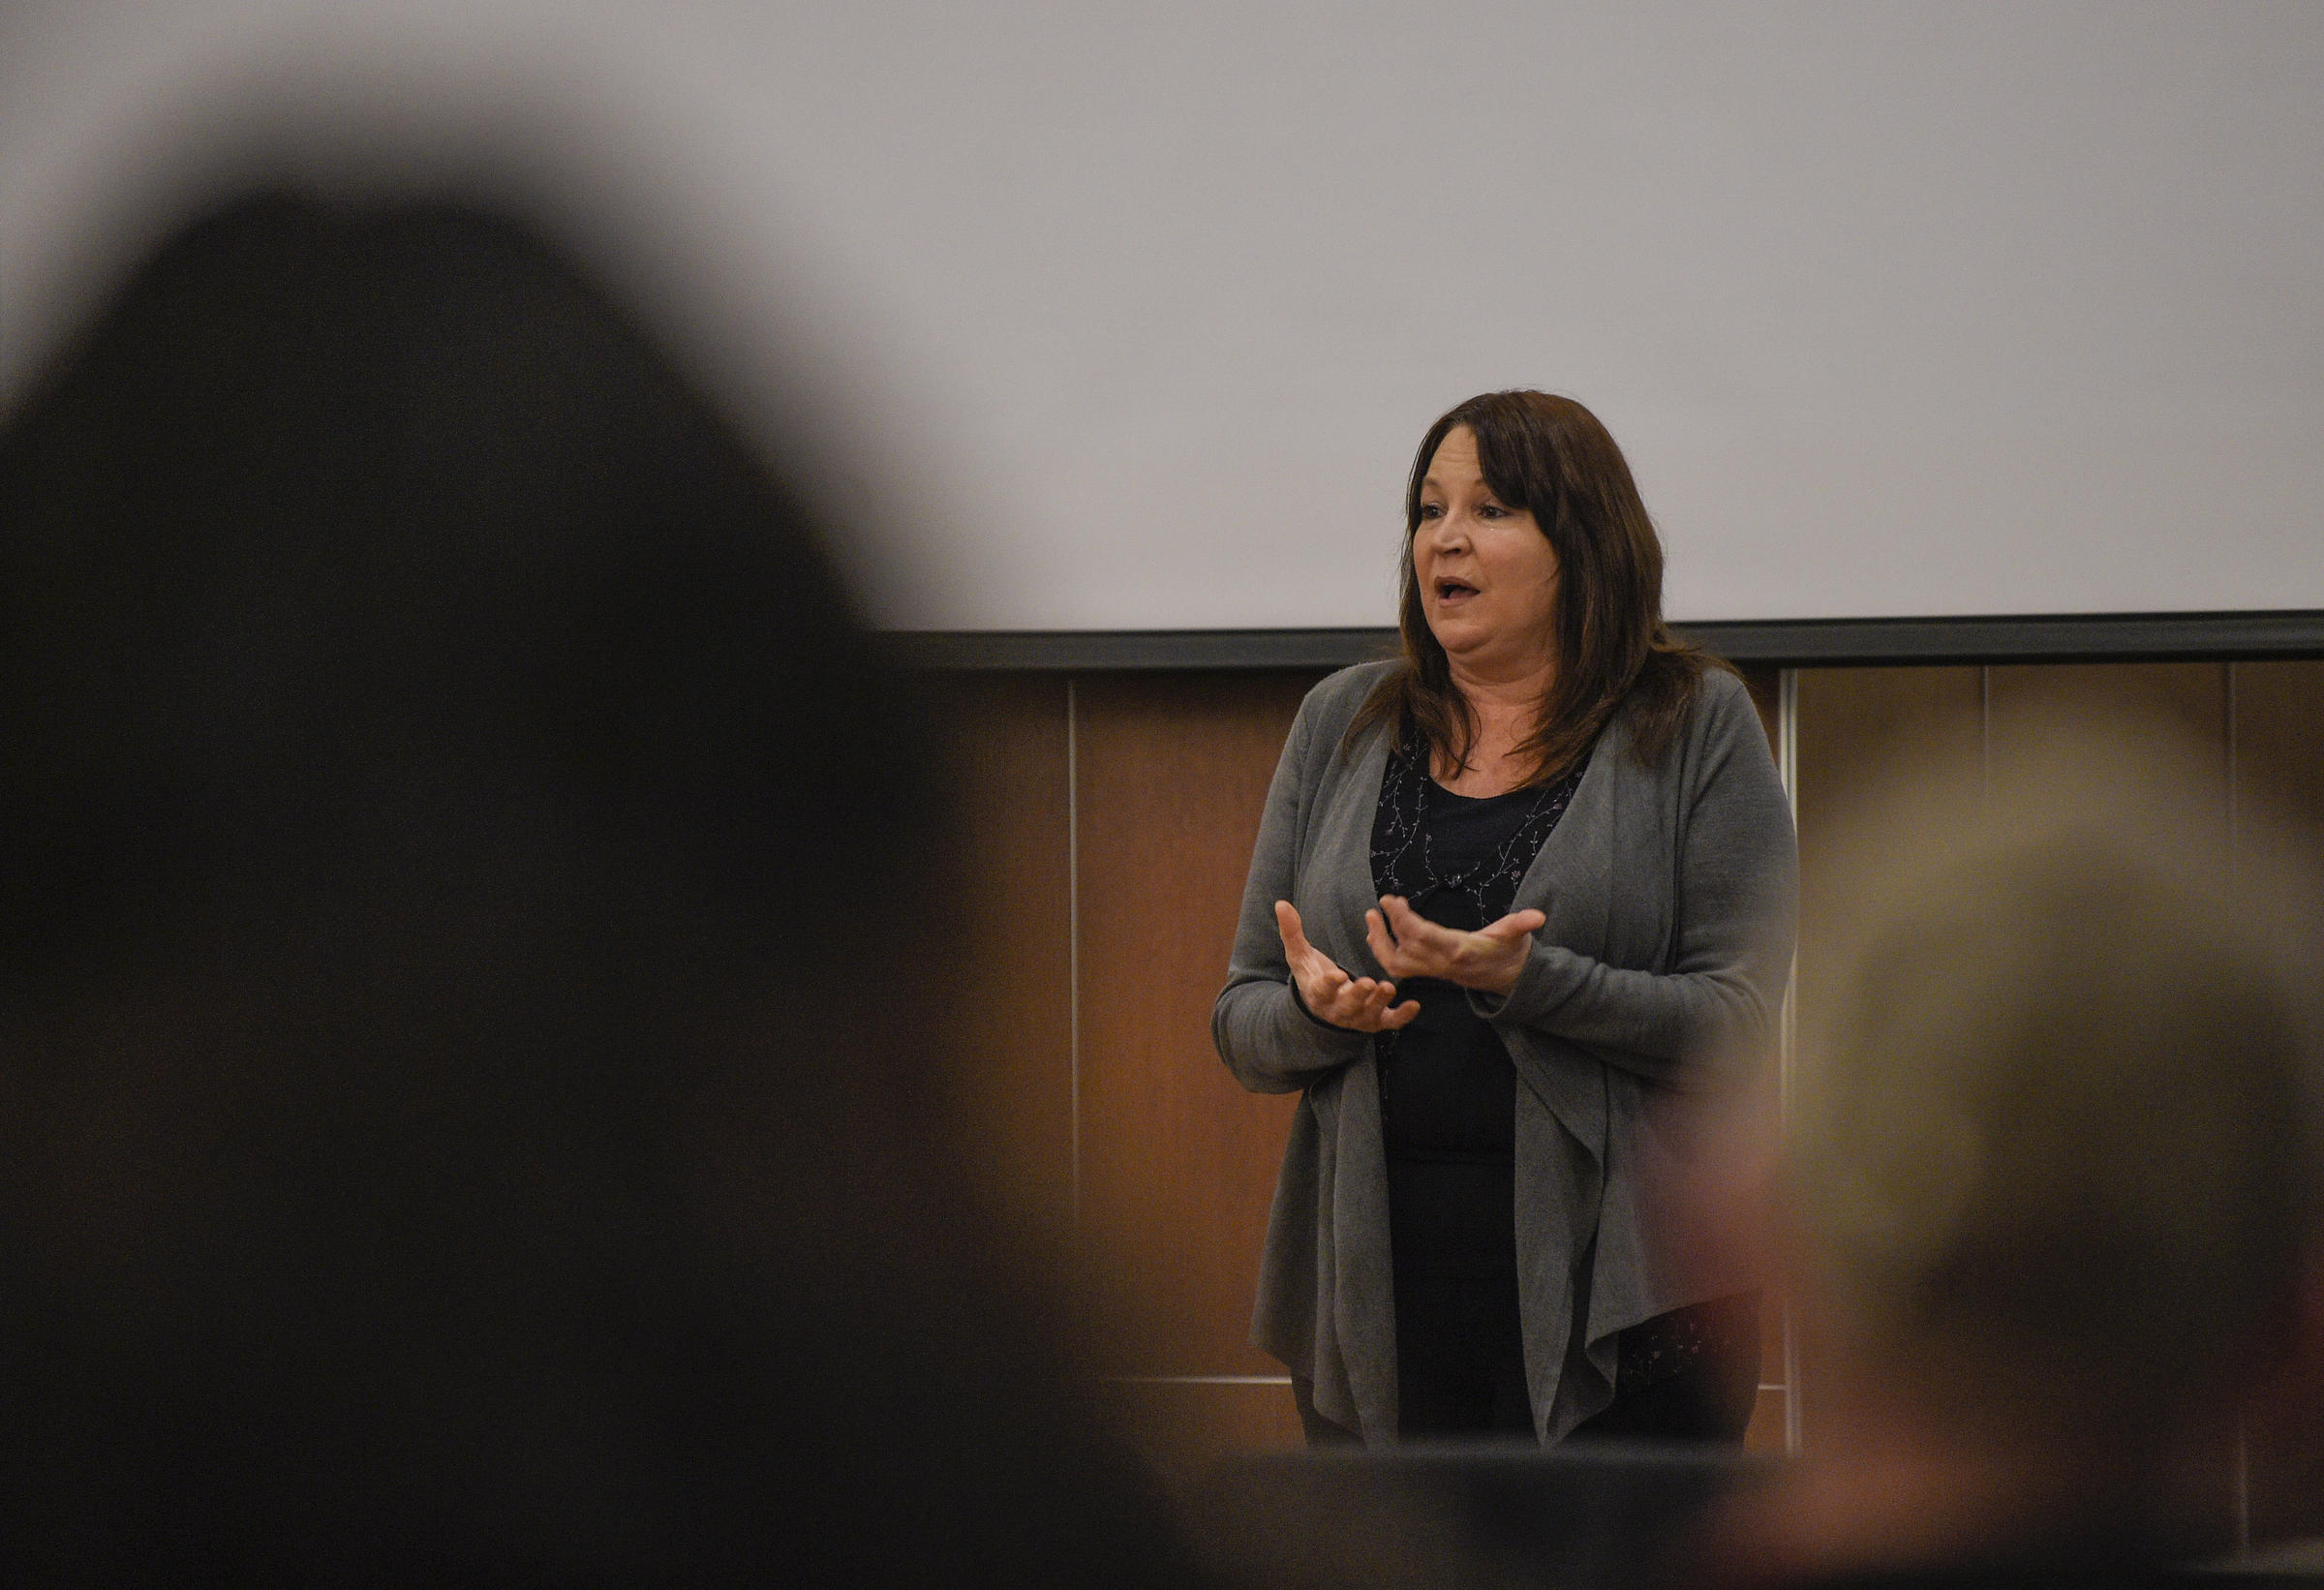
point(2076, 637)
point(1095, 651)
point(2093, 637)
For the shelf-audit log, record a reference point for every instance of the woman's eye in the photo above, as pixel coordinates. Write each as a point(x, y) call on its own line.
point(1491, 510)
point(1431, 511)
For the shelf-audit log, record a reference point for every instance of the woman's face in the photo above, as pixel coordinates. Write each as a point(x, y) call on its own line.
point(1488, 576)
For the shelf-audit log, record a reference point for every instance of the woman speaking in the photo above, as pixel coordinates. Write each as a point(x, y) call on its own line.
point(1522, 898)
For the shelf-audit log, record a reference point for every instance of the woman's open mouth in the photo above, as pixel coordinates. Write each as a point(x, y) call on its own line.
point(1454, 591)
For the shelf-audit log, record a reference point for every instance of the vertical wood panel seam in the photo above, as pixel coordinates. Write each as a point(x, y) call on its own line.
point(2242, 1433)
point(2234, 778)
point(1073, 942)
point(1984, 731)
point(1786, 737)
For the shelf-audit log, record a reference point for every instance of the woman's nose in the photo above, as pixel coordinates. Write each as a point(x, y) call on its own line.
point(1448, 534)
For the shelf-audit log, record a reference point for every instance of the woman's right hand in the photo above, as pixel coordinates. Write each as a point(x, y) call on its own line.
point(1361, 1004)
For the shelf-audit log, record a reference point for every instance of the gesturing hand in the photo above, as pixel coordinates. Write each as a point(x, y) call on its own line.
point(1410, 945)
point(1361, 1004)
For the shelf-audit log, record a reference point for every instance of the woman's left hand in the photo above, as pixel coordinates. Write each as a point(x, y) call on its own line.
point(1407, 944)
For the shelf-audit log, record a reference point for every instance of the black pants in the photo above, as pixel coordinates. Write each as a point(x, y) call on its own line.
point(1460, 1365)
point(1461, 1359)
point(1710, 1400)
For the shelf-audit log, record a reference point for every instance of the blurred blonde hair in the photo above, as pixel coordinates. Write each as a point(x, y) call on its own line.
point(2055, 1137)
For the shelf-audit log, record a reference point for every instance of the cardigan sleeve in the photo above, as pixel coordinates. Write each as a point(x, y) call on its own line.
point(1266, 1038)
point(1736, 888)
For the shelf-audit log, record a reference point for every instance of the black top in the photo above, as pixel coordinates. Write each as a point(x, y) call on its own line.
point(1447, 1089)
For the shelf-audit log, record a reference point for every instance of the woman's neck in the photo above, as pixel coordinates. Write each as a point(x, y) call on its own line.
point(1506, 706)
point(1506, 682)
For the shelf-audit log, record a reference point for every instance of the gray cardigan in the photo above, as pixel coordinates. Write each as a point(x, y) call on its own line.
point(1670, 892)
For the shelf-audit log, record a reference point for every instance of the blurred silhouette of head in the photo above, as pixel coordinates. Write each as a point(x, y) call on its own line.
point(466, 1112)
point(2054, 1159)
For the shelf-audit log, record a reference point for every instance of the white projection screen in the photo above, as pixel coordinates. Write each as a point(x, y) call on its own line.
point(1126, 318)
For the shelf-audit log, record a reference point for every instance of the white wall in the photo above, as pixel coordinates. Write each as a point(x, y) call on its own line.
point(1107, 316)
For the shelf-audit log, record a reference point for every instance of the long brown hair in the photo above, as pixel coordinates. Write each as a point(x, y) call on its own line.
point(1550, 457)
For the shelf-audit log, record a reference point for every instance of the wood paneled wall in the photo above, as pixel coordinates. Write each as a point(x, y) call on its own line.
point(1110, 819)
